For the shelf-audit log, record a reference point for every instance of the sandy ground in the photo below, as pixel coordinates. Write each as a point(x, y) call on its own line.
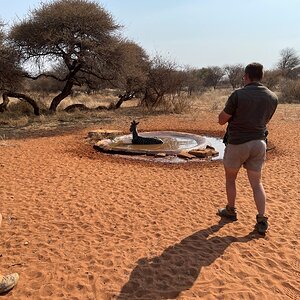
point(79, 224)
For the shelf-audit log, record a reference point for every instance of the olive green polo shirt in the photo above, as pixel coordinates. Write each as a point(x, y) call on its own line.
point(251, 108)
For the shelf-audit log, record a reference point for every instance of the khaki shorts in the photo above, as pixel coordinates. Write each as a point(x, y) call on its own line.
point(251, 155)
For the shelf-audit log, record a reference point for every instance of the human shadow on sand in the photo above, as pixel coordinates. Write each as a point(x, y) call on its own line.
point(178, 267)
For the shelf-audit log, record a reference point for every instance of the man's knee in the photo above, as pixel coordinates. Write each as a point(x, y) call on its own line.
point(254, 178)
point(231, 173)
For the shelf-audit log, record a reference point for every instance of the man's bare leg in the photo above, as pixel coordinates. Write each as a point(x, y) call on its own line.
point(231, 175)
point(229, 211)
point(258, 191)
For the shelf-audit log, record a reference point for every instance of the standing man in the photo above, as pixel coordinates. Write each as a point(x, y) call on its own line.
point(247, 111)
point(9, 281)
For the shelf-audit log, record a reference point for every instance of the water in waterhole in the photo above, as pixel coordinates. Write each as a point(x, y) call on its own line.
point(173, 143)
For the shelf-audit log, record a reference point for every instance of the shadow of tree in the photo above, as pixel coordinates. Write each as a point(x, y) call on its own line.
point(178, 267)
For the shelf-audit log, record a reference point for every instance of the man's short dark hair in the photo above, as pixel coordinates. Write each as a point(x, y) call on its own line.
point(254, 71)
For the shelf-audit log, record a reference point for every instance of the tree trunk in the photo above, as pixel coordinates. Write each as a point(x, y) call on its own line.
point(65, 93)
point(6, 95)
point(66, 90)
point(123, 98)
point(3, 105)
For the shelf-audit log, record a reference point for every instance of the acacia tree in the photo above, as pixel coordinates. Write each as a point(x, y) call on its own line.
point(11, 75)
point(272, 78)
point(163, 78)
point(211, 76)
point(288, 61)
point(193, 82)
point(8, 64)
point(132, 75)
point(78, 34)
point(234, 74)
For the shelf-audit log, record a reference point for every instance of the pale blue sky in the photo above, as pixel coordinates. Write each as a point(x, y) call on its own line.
point(199, 33)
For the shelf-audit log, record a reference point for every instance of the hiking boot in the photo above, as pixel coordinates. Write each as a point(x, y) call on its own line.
point(228, 212)
point(8, 282)
point(261, 224)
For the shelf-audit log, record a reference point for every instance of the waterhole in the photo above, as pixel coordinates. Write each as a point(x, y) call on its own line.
point(173, 144)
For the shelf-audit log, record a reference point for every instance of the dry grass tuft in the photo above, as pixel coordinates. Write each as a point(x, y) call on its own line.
point(91, 101)
point(176, 104)
point(288, 112)
point(3, 141)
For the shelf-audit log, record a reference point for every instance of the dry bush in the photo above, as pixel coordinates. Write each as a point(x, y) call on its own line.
point(289, 91)
point(90, 100)
point(62, 116)
point(17, 107)
point(175, 104)
point(212, 100)
point(20, 108)
point(271, 79)
point(215, 106)
point(16, 116)
point(42, 99)
point(3, 141)
point(107, 99)
point(22, 121)
point(181, 104)
point(42, 119)
point(286, 111)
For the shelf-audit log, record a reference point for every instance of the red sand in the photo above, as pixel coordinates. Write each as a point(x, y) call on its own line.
point(79, 224)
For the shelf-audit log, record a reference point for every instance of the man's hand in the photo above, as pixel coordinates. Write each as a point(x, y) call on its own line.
point(223, 117)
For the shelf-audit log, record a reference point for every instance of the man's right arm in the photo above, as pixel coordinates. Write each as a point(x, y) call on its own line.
point(229, 109)
point(272, 109)
point(224, 117)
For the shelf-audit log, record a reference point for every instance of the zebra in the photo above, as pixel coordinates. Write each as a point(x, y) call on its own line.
point(139, 140)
